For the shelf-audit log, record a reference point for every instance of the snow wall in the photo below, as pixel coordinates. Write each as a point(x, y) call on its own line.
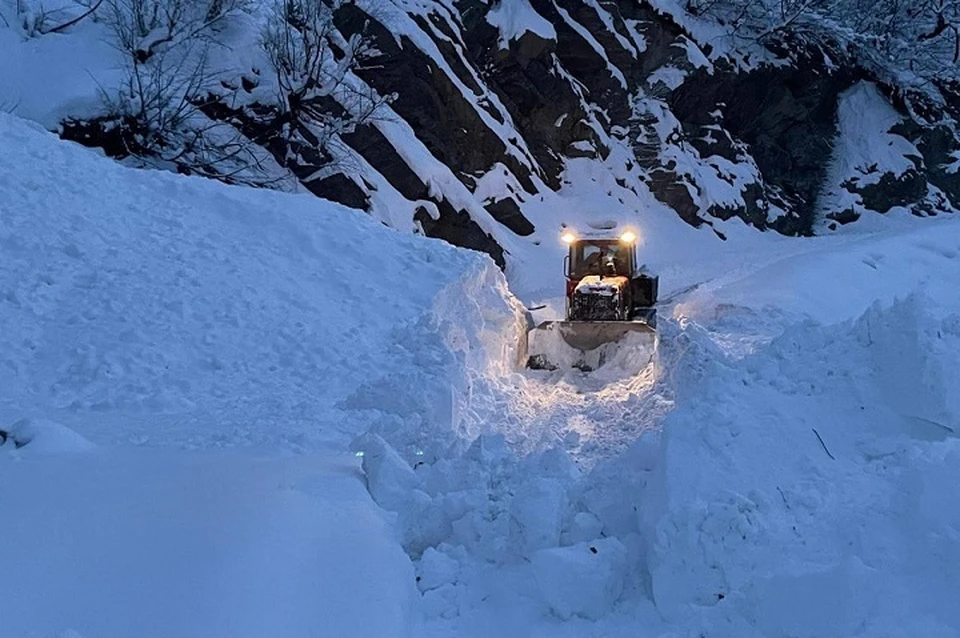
point(802, 489)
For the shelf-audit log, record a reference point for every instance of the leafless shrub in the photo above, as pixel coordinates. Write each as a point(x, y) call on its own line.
point(318, 95)
point(918, 41)
point(39, 20)
point(141, 27)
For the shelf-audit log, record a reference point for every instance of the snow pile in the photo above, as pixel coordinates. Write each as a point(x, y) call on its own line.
point(424, 405)
point(463, 512)
point(490, 509)
point(171, 307)
point(583, 579)
point(44, 437)
point(806, 487)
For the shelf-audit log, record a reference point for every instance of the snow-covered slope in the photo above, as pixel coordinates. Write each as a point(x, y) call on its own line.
point(178, 305)
point(784, 463)
point(147, 321)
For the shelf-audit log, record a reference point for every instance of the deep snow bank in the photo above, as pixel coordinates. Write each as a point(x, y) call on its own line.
point(160, 543)
point(202, 314)
point(148, 308)
point(809, 489)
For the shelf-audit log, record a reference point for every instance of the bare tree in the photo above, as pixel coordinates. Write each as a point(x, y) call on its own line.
point(318, 95)
point(141, 27)
point(156, 113)
point(913, 41)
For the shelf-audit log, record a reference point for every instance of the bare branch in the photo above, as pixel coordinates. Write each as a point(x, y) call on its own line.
point(70, 23)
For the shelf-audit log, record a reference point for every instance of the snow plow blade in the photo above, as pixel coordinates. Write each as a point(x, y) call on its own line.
point(585, 345)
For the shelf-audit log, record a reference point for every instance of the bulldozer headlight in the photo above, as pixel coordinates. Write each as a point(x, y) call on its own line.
point(568, 237)
point(628, 237)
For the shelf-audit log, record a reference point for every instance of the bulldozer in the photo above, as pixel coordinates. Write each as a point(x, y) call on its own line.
point(609, 295)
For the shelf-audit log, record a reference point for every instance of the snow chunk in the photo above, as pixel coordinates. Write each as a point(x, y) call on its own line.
point(436, 569)
point(46, 437)
point(389, 478)
point(537, 513)
point(584, 527)
point(585, 579)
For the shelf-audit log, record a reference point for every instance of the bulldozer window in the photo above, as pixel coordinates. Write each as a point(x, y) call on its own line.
point(598, 258)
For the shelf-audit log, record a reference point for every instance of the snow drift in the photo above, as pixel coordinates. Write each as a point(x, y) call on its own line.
point(808, 489)
point(195, 312)
point(147, 309)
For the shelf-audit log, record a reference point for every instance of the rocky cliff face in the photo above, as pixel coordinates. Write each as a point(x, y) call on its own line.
point(493, 98)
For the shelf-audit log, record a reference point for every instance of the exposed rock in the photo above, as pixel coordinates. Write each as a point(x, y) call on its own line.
point(894, 190)
point(709, 137)
point(670, 188)
point(787, 118)
point(507, 212)
point(941, 154)
point(585, 63)
point(429, 101)
point(457, 228)
point(341, 189)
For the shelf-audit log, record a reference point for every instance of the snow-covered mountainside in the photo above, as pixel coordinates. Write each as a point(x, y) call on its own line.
point(197, 382)
point(472, 120)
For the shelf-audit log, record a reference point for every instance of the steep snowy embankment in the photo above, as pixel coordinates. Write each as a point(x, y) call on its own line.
point(199, 314)
point(143, 308)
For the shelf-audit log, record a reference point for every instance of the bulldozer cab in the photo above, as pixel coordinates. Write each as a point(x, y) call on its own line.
point(603, 257)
